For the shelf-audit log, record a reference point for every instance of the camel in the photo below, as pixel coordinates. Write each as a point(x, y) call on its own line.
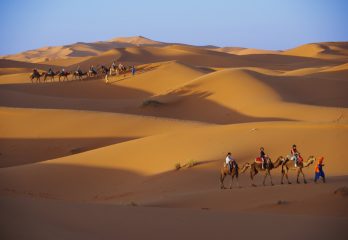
point(123, 70)
point(35, 75)
point(114, 71)
point(256, 167)
point(289, 164)
point(79, 75)
point(105, 70)
point(224, 172)
point(64, 75)
point(51, 75)
point(92, 73)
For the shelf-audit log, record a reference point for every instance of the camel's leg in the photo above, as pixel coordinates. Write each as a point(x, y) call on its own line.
point(304, 178)
point(298, 175)
point(232, 176)
point(222, 178)
point(264, 178)
point(270, 176)
point(286, 175)
point(252, 178)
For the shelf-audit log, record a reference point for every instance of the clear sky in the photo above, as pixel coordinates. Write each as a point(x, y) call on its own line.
point(265, 24)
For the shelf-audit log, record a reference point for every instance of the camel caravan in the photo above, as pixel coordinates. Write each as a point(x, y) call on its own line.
point(264, 165)
point(78, 74)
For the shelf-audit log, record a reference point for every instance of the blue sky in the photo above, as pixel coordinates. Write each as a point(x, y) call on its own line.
point(265, 24)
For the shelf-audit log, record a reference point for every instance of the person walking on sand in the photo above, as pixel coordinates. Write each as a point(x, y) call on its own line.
point(319, 172)
point(133, 70)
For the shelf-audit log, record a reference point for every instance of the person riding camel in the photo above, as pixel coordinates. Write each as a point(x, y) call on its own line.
point(230, 162)
point(113, 65)
point(50, 71)
point(78, 70)
point(35, 71)
point(263, 157)
point(92, 69)
point(62, 71)
point(295, 155)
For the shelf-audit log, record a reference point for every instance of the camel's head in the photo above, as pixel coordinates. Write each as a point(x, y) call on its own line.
point(282, 159)
point(311, 159)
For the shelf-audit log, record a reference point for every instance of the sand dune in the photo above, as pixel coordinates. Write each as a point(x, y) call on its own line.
point(57, 133)
point(237, 90)
point(245, 51)
point(327, 50)
point(12, 64)
point(139, 158)
point(79, 49)
point(74, 152)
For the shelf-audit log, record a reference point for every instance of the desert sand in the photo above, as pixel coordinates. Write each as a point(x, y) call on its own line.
point(90, 160)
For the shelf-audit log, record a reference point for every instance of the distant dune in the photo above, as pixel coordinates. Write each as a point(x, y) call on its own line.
point(326, 50)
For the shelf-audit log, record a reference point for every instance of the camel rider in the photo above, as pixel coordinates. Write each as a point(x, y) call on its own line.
point(35, 71)
point(263, 157)
point(92, 69)
point(50, 71)
point(230, 162)
point(294, 154)
point(63, 71)
point(78, 70)
point(113, 65)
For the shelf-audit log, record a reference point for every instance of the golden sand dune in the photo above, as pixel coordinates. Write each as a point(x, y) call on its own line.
point(245, 51)
point(64, 132)
point(138, 40)
point(341, 67)
point(128, 163)
point(10, 65)
point(79, 49)
point(75, 151)
point(237, 90)
point(327, 50)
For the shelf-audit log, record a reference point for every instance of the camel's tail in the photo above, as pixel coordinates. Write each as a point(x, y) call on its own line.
point(245, 167)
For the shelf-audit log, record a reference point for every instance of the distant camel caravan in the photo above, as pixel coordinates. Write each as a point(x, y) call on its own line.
point(35, 76)
point(286, 164)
